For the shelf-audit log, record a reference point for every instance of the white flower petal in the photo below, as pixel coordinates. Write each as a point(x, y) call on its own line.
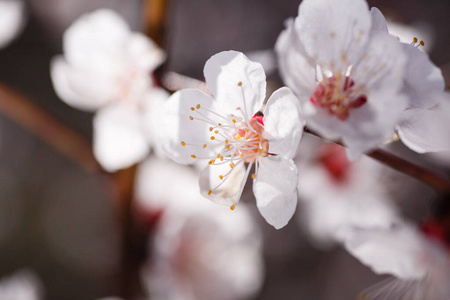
point(143, 52)
point(81, 89)
point(11, 20)
point(382, 66)
point(334, 32)
point(95, 40)
point(396, 251)
point(423, 80)
point(425, 130)
point(224, 71)
point(118, 138)
point(379, 23)
point(275, 189)
point(297, 71)
point(283, 126)
point(176, 126)
point(225, 191)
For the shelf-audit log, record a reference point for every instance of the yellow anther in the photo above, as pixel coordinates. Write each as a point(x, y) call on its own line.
point(226, 141)
point(183, 144)
point(218, 155)
point(220, 124)
point(193, 156)
point(422, 43)
point(232, 207)
point(232, 165)
point(213, 138)
point(211, 162)
point(234, 121)
point(192, 108)
point(238, 137)
point(253, 176)
point(191, 118)
point(209, 192)
point(415, 40)
point(204, 146)
point(221, 158)
point(198, 106)
point(228, 147)
point(211, 129)
point(241, 155)
point(216, 131)
point(220, 176)
point(240, 83)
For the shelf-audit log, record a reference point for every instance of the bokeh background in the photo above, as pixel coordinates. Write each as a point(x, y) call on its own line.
point(58, 219)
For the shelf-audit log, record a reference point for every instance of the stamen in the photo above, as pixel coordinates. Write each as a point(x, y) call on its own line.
point(204, 146)
point(213, 138)
point(193, 156)
point(253, 176)
point(221, 177)
point(232, 207)
point(209, 192)
point(183, 144)
point(191, 118)
point(198, 106)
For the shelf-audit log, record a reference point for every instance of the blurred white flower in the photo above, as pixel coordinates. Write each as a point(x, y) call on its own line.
point(419, 260)
point(335, 193)
point(201, 251)
point(358, 83)
point(22, 285)
point(107, 68)
point(12, 18)
point(232, 134)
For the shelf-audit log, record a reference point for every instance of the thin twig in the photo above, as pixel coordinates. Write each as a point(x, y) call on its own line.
point(21, 110)
point(438, 181)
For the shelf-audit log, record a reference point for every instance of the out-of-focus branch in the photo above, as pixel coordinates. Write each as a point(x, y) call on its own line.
point(154, 16)
point(21, 110)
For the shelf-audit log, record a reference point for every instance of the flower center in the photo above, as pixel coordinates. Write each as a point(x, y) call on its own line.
point(339, 95)
point(234, 140)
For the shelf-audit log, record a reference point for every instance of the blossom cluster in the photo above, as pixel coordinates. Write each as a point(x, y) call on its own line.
point(348, 80)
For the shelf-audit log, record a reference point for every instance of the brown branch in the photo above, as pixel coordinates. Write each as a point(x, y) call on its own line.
point(436, 180)
point(154, 15)
point(21, 110)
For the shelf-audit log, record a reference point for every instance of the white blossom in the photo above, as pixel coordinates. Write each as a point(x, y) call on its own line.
point(335, 194)
point(107, 68)
point(231, 133)
point(348, 72)
point(200, 251)
point(12, 17)
point(22, 285)
point(419, 262)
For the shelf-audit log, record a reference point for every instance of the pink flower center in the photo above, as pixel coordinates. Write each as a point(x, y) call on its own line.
point(338, 95)
point(255, 144)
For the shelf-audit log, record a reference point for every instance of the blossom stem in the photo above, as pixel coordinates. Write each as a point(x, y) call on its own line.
point(438, 181)
point(18, 108)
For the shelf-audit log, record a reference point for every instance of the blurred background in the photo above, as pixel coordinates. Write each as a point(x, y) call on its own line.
point(60, 220)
